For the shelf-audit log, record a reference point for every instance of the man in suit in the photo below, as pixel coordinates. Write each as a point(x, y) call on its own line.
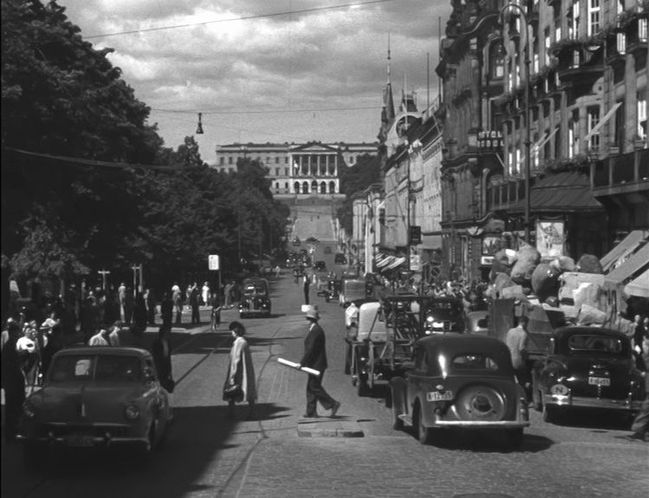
point(161, 352)
point(315, 356)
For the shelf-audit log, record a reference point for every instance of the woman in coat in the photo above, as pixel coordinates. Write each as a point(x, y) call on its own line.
point(240, 371)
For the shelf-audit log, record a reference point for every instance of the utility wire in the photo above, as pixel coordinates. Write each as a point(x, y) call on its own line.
point(241, 18)
point(268, 111)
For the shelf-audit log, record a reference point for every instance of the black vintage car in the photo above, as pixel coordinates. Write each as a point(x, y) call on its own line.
point(587, 367)
point(460, 381)
point(255, 300)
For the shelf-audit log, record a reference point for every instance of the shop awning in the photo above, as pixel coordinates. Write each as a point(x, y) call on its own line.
point(638, 287)
point(395, 263)
point(638, 262)
point(385, 261)
point(564, 192)
point(623, 249)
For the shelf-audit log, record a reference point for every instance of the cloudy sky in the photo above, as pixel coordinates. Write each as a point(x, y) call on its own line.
point(266, 71)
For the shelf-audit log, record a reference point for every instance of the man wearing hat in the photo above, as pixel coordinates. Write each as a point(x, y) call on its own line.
point(315, 356)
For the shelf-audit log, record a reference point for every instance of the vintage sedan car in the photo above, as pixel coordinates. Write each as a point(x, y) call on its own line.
point(459, 381)
point(587, 367)
point(96, 397)
point(255, 300)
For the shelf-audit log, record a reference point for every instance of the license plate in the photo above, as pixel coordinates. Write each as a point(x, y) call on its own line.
point(79, 441)
point(599, 381)
point(437, 396)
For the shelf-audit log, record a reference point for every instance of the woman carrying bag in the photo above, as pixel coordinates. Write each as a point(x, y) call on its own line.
point(240, 381)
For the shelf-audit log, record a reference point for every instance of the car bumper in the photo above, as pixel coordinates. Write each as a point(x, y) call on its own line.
point(472, 424)
point(585, 402)
point(85, 441)
point(246, 311)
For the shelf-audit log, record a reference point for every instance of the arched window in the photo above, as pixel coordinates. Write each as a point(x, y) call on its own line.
point(497, 61)
point(323, 188)
point(314, 186)
point(305, 188)
point(332, 187)
point(296, 186)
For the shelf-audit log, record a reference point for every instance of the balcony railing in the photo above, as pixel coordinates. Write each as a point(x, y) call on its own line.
point(622, 171)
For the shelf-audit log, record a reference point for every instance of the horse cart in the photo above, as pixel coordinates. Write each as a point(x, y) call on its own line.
point(387, 331)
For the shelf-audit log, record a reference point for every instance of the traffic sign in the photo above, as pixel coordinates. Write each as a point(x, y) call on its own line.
point(213, 262)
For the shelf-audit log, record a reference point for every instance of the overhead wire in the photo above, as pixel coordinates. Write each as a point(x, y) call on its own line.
point(240, 18)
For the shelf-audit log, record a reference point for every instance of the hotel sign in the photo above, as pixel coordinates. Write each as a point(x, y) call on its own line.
point(490, 140)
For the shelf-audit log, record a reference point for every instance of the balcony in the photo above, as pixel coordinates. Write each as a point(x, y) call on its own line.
point(621, 174)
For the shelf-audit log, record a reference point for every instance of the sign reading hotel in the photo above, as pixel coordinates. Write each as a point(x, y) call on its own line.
point(490, 140)
point(550, 238)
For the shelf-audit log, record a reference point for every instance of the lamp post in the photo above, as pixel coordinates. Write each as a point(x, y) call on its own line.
point(524, 44)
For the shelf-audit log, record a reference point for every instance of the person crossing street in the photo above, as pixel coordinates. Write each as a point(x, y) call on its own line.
point(315, 356)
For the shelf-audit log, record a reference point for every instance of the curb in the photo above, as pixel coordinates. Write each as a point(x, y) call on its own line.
point(328, 428)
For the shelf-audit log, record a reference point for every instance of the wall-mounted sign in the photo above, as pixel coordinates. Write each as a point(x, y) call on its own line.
point(213, 262)
point(490, 140)
point(490, 245)
point(486, 260)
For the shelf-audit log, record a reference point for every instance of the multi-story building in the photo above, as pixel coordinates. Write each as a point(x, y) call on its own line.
point(297, 169)
point(472, 67)
point(546, 126)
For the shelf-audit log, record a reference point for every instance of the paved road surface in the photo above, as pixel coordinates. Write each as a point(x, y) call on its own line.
point(208, 454)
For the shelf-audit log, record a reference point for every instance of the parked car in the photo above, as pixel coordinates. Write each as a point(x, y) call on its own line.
point(442, 315)
point(96, 397)
point(587, 367)
point(255, 299)
point(459, 381)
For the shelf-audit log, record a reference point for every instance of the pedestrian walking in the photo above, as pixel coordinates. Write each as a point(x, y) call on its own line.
point(305, 287)
point(194, 302)
point(176, 296)
point(315, 356)
point(149, 301)
point(227, 294)
point(166, 309)
point(101, 338)
point(278, 271)
point(516, 340)
point(13, 379)
point(139, 314)
point(240, 380)
point(121, 296)
point(161, 352)
point(205, 294)
point(215, 317)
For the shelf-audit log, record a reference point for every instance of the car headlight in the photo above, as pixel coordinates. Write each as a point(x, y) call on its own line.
point(28, 410)
point(132, 412)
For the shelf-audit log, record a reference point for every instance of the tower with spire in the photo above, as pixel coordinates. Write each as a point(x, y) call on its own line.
point(387, 112)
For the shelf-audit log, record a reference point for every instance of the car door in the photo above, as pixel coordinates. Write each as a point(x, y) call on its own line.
point(416, 376)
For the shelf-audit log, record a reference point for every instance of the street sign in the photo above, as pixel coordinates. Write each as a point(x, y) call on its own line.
point(213, 262)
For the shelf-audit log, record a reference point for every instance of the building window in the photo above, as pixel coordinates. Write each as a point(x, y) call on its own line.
point(642, 118)
point(286, 160)
point(535, 56)
point(546, 37)
point(557, 29)
point(221, 160)
point(276, 159)
point(619, 126)
point(573, 20)
point(593, 119)
point(296, 186)
point(230, 160)
point(510, 162)
point(621, 43)
point(286, 185)
point(642, 29)
point(305, 187)
point(498, 62)
point(286, 172)
point(314, 186)
point(323, 188)
point(571, 138)
point(593, 17)
point(332, 187)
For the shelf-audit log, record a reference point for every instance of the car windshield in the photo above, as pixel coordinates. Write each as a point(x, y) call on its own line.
point(594, 343)
point(474, 362)
point(252, 289)
point(102, 368)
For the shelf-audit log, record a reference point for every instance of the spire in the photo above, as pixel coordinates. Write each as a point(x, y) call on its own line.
point(388, 102)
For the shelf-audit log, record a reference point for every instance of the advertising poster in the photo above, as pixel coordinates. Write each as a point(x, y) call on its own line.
point(550, 238)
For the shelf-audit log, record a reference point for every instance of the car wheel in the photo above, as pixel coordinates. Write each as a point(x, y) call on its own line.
point(34, 456)
point(481, 402)
point(423, 432)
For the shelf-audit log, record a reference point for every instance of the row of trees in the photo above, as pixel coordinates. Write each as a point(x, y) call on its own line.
point(118, 206)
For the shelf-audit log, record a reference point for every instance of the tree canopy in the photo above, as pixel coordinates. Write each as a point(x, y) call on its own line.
point(61, 97)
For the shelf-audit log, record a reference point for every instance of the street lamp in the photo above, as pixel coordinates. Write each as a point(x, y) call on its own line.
point(524, 43)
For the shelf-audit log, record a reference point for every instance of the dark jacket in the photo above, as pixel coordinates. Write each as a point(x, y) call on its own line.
point(162, 361)
point(315, 354)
